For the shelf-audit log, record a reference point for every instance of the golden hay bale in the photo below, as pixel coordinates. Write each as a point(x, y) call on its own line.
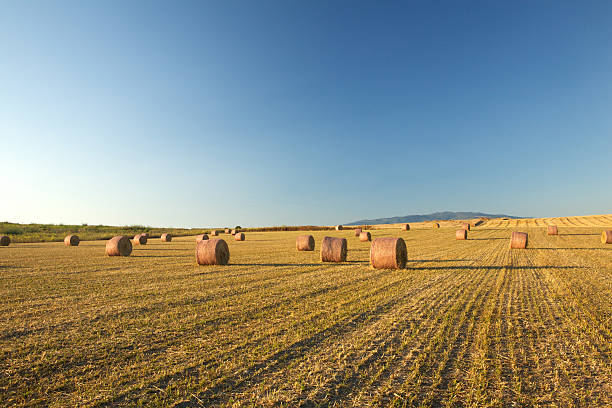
point(339, 227)
point(227, 230)
point(466, 226)
point(166, 237)
point(552, 230)
point(239, 236)
point(146, 234)
point(212, 252)
point(214, 233)
point(461, 234)
point(201, 237)
point(357, 231)
point(140, 239)
point(406, 227)
point(233, 232)
point(119, 246)
point(388, 253)
point(4, 240)
point(305, 243)
point(72, 240)
point(435, 225)
point(606, 237)
point(333, 249)
point(518, 240)
point(365, 236)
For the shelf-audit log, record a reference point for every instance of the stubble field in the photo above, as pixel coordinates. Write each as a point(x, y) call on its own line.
point(467, 323)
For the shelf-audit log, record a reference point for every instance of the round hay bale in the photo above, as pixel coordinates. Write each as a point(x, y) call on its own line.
point(365, 236)
point(146, 234)
point(435, 225)
point(357, 231)
point(305, 243)
point(552, 230)
point(518, 240)
point(227, 230)
point(239, 236)
point(140, 239)
point(214, 233)
point(461, 234)
point(388, 253)
point(212, 252)
point(333, 249)
point(119, 246)
point(72, 240)
point(466, 226)
point(234, 232)
point(166, 237)
point(4, 240)
point(606, 237)
point(406, 227)
point(201, 237)
point(339, 227)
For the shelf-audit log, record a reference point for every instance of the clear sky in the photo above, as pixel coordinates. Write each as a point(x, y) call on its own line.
point(302, 112)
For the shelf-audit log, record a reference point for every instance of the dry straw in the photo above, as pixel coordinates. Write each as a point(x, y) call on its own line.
point(239, 236)
point(140, 239)
point(119, 246)
point(212, 252)
point(606, 237)
point(305, 243)
point(406, 227)
point(166, 237)
point(466, 226)
point(435, 225)
point(72, 240)
point(333, 249)
point(201, 237)
point(339, 227)
point(388, 253)
point(461, 234)
point(357, 231)
point(518, 240)
point(4, 240)
point(552, 230)
point(365, 236)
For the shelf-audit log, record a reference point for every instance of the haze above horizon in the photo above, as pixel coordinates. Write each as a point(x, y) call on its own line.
point(237, 113)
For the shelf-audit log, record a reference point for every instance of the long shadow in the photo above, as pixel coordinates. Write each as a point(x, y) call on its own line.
point(483, 239)
point(492, 268)
point(559, 249)
point(276, 264)
point(439, 260)
point(160, 249)
point(579, 234)
point(159, 256)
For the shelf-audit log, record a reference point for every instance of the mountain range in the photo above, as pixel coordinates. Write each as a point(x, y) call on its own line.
point(444, 215)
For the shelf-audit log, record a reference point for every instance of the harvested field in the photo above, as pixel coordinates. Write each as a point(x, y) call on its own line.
point(467, 323)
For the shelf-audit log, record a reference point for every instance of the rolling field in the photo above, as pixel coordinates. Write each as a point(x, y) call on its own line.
point(467, 323)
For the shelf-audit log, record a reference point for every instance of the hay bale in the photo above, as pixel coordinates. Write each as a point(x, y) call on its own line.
point(388, 253)
point(606, 237)
point(212, 252)
point(72, 240)
point(214, 233)
point(365, 236)
point(234, 232)
point(239, 236)
point(518, 240)
point(461, 234)
point(357, 231)
point(339, 227)
point(140, 239)
point(552, 230)
point(333, 249)
point(146, 234)
point(466, 226)
point(305, 243)
point(201, 237)
point(166, 237)
point(119, 246)
point(435, 225)
point(406, 227)
point(4, 240)
point(227, 230)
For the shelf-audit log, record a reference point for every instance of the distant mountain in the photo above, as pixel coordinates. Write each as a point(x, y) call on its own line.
point(444, 215)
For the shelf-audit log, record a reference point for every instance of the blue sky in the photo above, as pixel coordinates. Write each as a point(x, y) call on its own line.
point(271, 113)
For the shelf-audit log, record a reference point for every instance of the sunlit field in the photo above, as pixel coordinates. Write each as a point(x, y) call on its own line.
point(467, 323)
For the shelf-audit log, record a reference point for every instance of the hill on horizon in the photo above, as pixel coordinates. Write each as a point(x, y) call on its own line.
point(444, 215)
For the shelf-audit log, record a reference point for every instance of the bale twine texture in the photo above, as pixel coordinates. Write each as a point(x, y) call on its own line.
point(552, 230)
point(140, 239)
point(119, 246)
point(518, 240)
point(333, 249)
point(388, 253)
point(461, 234)
point(365, 236)
point(72, 240)
point(239, 236)
point(212, 252)
point(305, 243)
